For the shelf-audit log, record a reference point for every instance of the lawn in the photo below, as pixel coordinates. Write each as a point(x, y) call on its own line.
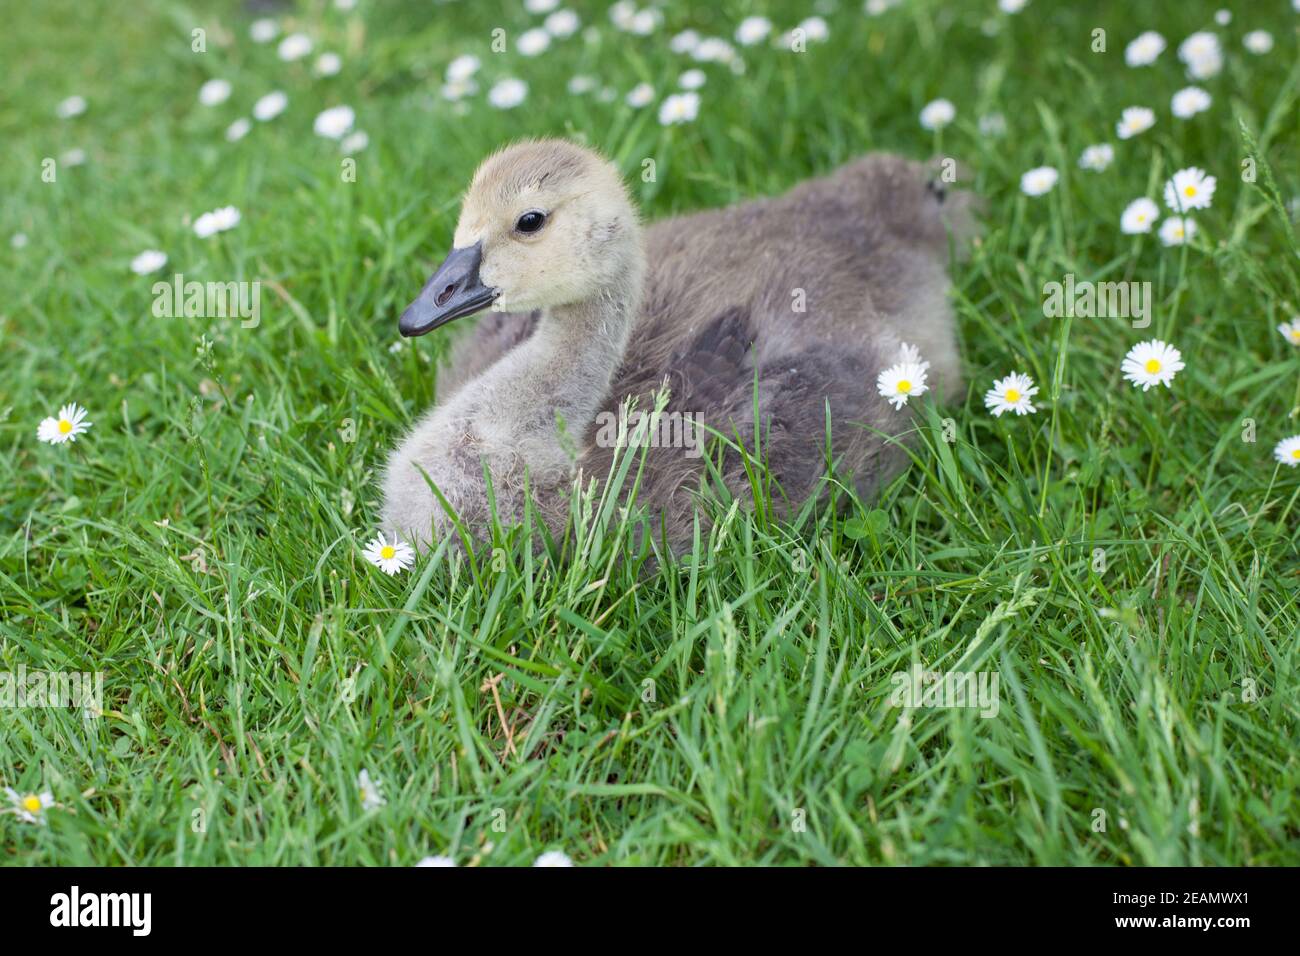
point(1123, 561)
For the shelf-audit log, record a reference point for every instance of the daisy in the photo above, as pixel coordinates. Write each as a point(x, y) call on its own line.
point(1189, 188)
point(328, 64)
point(508, 93)
point(30, 807)
point(753, 30)
point(1038, 181)
point(1177, 231)
point(354, 142)
point(1258, 42)
point(73, 157)
point(18, 240)
point(937, 114)
point(1011, 6)
point(1223, 17)
point(454, 90)
point(692, 79)
point(684, 42)
point(151, 260)
point(345, 5)
point(1145, 49)
point(898, 383)
point(72, 106)
point(562, 23)
point(815, 30)
point(334, 122)
point(462, 68)
point(1097, 158)
point(270, 106)
point(214, 92)
point(368, 790)
point(679, 108)
point(1138, 216)
point(581, 84)
point(1134, 120)
point(238, 129)
point(294, 47)
point(1152, 363)
point(553, 858)
point(263, 31)
point(874, 8)
point(437, 861)
point(70, 423)
point(713, 50)
point(1287, 451)
point(1011, 394)
point(1202, 54)
point(642, 94)
point(219, 220)
point(1291, 330)
point(645, 22)
point(389, 558)
point(533, 42)
point(540, 6)
point(622, 13)
point(1189, 101)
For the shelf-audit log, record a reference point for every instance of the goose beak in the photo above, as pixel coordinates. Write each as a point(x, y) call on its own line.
point(454, 291)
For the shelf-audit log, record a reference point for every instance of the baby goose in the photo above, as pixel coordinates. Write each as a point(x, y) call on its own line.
point(780, 306)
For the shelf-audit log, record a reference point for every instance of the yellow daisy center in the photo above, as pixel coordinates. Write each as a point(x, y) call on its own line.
point(65, 426)
point(904, 386)
point(1295, 335)
point(388, 552)
point(32, 803)
point(1295, 453)
point(1190, 191)
point(1013, 395)
point(1153, 366)
point(1142, 217)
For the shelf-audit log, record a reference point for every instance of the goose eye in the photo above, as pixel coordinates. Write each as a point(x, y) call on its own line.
point(530, 221)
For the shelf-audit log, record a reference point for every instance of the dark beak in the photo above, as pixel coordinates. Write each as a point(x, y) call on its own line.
point(453, 292)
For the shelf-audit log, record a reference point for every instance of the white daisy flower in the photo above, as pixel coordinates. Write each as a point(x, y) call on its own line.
point(294, 47)
point(328, 64)
point(508, 93)
point(72, 106)
point(645, 22)
point(218, 220)
point(1189, 101)
point(874, 8)
point(1098, 157)
point(1139, 216)
point(622, 13)
point(898, 383)
point(73, 157)
point(238, 129)
point(679, 108)
point(937, 114)
point(345, 5)
point(1291, 330)
point(1177, 231)
point(334, 122)
point(18, 240)
point(1011, 394)
point(1202, 54)
point(562, 23)
point(30, 807)
point(70, 423)
point(1258, 42)
point(462, 68)
point(684, 42)
point(553, 858)
point(642, 94)
point(1189, 188)
point(753, 30)
point(533, 42)
point(1287, 451)
point(437, 861)
point(1144, 50)
point(458, 89)
point(214, 92)
point(815, 30)
point(713, 50)
point(1223, 17)
point(1152, 363)
point(1134, 120)
point(692, 79)
point(151, 260)
point(1038, 181)
point(264, 30)
point(372, 798)
point(270, 106)
point(390, 558)
point(540, 6)
point(1011, 6)
point(354, 142)
point(581, 84)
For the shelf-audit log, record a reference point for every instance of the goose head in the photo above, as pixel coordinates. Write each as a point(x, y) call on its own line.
point(544, 224)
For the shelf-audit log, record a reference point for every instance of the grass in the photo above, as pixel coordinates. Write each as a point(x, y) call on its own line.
point(1124, 562)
